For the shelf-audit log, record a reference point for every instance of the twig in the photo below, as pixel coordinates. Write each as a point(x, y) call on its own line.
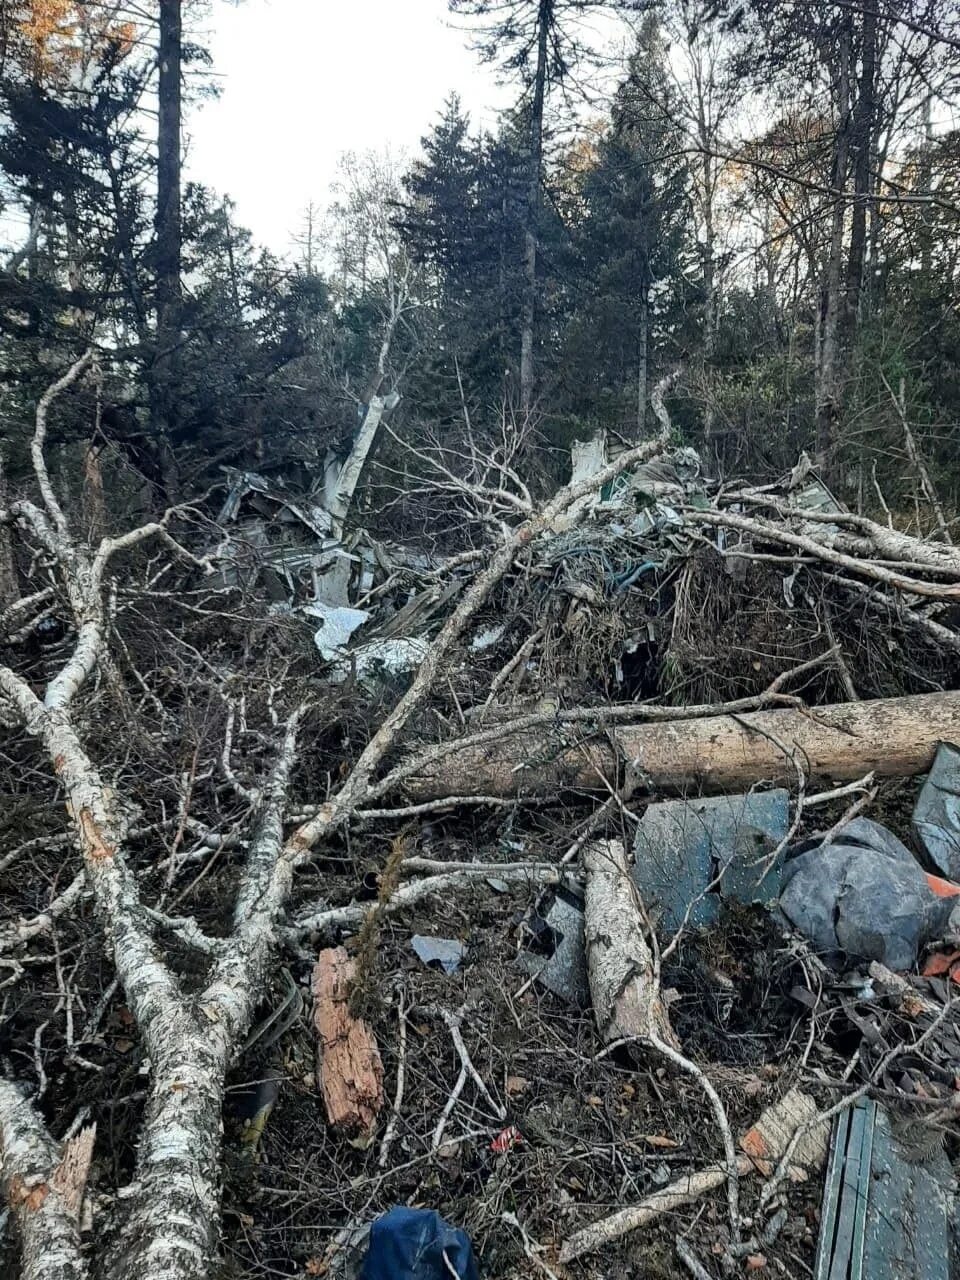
point(776, 1178)
point(447, 1111)
point(453, 1022)
point(690, 1260)
point(326, 918)
point(849, 789)
point(392, 1123)
point(531, 1247)
point(851, 811)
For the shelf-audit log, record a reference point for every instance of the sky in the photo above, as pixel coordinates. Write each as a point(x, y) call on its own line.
point(304, 80)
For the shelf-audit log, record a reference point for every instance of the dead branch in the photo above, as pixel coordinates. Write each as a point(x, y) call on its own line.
point(623, 990)
point(766, 531)
point(893, 737)
point(45, 1204)
point(323, 920)
point(767, 1140)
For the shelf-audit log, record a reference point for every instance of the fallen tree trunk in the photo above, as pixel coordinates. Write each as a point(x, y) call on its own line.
point(623, 982)
point(894, 737)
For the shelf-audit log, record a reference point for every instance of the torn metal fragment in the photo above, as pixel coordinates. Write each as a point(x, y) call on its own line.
point(689, 853)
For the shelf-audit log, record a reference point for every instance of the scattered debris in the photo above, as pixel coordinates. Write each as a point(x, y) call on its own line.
point(936, 816)
point(381, 659)
point(254, 1105)
point(447, 953)
point(487, 638)
point(506, 1139)
point(864, 896)
point(417, 1244)
point(689, 853)
point(337, 625)
point(349, 1068)
point(564, 971)
point(888, 1203)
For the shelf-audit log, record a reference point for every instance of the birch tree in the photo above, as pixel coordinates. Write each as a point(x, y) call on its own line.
point(165, 1223)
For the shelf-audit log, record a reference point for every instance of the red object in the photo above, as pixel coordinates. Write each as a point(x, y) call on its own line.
point(943, 962)
point(506, 1139)
point(942, 888)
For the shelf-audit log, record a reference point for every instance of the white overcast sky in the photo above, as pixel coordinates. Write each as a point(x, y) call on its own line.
point(304, 80)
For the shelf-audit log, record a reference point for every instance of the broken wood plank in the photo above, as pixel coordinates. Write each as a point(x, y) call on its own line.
point(894, 737)
point(349, 1068)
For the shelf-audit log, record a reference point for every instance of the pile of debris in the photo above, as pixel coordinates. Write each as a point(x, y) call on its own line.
point(636, 946)
point(666, 635)
point(822, 1081)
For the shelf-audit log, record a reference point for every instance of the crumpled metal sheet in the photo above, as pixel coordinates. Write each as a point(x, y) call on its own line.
point(683, 846)
point(448, 953)
point(564, 973)
point(337, 625)
point(863, 896)
point(936, 816)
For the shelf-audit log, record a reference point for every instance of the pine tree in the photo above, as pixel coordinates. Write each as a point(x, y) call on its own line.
point(631, 241)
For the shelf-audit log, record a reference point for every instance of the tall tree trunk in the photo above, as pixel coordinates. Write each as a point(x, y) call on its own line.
point(924, 182)
point(828, 383)
point(168, 234)
point(9, 587)
point(531, 231)
point(643, 346)
point(863, 130)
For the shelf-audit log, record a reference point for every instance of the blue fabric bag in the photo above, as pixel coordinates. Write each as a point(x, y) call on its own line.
point(409, 1244)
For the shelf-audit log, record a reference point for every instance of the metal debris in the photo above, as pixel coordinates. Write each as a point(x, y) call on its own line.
point(337, 625)
point(863, 896)
point(936, 816)
point(689, 853)
point(564, 972)
point(887, 1207)
point(448, 953)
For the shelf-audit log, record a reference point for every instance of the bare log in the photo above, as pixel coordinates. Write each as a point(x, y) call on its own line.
point(623, 982)
point(893, 737)
point(349, 1066)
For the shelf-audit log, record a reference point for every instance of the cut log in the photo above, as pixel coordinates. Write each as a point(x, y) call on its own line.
point(894, 737)
point(623, 989)
point(349, 1067)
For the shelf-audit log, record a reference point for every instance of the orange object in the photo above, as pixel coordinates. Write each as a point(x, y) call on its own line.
point(943, 962)
point(942, 888)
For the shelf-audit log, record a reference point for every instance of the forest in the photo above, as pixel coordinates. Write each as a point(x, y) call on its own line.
point(479, 691)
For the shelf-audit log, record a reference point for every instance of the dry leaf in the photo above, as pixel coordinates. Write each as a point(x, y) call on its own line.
point(660, 1140)
point(756, 1262)
point(516, 1084)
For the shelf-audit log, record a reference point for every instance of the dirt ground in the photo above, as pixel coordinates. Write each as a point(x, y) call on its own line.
point(595, 1131)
